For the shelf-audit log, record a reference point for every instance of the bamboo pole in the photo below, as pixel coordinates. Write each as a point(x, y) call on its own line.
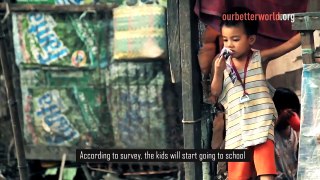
point(16, 128)
point(55, 8)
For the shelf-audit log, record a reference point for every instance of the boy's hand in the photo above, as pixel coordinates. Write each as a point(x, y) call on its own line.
point(220, 64)
point(285, 115)
point(283, 120)
point(217, 81)
point(288, 117)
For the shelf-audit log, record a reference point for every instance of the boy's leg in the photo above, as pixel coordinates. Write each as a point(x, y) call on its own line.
point(240, 170)
point(264, 160)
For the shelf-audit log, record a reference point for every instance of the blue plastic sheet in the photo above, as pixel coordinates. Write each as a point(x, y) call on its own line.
point(309, 152)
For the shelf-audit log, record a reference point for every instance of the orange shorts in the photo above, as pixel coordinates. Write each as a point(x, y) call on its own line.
point(263, 163)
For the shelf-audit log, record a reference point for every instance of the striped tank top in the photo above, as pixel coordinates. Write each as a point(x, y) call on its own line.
point(252, 122)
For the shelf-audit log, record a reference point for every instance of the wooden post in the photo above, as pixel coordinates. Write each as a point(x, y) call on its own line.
point(12, 103)
point(191, 99)
point(306, 23)
point(173, 32)
point(307, 45)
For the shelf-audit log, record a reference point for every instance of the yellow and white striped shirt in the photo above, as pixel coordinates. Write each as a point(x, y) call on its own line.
point(252, 122)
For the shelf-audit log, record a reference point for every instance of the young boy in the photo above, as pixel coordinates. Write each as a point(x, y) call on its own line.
point(286, 133)
point(240, 84)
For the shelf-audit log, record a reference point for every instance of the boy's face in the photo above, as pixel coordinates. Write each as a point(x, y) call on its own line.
point(235, 38)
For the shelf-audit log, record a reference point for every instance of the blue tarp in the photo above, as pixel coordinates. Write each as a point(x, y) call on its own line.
point(309, 152)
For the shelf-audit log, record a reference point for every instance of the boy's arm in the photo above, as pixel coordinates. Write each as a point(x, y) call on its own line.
point(216, 85)
point(273, 53)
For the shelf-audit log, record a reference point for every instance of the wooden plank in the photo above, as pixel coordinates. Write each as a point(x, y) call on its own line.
point(55, 8)
point(306, 21)
point(190, 84)
point(173, 40)
point(307, 14)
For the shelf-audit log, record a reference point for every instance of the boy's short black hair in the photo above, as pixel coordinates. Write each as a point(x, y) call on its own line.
point(250, 25)
point(285, 98)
